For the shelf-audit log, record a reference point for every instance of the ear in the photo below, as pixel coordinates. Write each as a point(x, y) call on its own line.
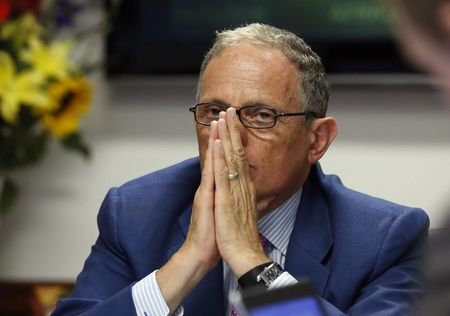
point(322, 132)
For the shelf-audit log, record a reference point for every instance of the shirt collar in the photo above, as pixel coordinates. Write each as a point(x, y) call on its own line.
point(277, 225)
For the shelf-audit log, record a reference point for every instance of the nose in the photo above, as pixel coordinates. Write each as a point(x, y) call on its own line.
point(243, 131)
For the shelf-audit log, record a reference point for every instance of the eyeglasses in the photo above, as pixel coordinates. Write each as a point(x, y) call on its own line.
point(252, 116)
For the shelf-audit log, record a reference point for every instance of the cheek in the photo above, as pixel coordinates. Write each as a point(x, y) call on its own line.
point(284, 159)
point(202, 140)
point(276, 143)
point(276, 160)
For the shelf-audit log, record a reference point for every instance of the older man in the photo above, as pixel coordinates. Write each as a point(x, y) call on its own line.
point(181, 239)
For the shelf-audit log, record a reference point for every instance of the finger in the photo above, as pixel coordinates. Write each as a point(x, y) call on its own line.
point(236, 140)
point(228, 151)
point(213, 131)
point(207, 182)
point(208, 169)
point(204, 197)
point(220, 168)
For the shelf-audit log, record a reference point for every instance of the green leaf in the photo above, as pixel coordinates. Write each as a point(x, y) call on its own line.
point(27, 118)
point(76, 143)
point(8, 194)
point(21, 147)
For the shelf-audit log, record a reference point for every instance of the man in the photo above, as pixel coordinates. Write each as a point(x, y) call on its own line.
point(424, 34)
point(181, 239)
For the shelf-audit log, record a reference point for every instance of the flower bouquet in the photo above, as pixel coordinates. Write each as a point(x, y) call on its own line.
point(43, 94)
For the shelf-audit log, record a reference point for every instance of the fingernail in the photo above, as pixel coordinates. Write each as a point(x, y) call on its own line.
point(213, 126)
point(233, 112)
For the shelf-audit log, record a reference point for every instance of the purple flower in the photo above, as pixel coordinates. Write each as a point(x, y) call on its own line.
point(65, 13)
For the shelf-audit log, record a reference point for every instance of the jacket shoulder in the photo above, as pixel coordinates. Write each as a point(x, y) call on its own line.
point(354, 206)
point(152, 202)
point(178, 175)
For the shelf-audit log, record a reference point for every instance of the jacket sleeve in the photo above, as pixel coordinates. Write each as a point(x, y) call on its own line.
point(104, 285)
point(396, 281)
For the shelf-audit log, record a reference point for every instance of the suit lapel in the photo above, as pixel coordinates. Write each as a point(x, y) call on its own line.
point(207, 297)
point(311, 239)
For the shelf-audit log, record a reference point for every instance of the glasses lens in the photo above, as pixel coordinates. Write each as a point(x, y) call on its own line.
point(205, 113)
point(258, 116)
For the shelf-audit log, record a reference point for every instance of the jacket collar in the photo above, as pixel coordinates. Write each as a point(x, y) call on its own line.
point(311, 239)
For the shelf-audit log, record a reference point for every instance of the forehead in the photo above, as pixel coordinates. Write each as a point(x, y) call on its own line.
point(248, 74)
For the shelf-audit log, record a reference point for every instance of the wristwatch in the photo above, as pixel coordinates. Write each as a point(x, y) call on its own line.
point(262, 275)
point(269, 274)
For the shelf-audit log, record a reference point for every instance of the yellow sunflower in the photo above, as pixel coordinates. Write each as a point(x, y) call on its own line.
point(52, 60)
point(70, 100)
point(18, 89)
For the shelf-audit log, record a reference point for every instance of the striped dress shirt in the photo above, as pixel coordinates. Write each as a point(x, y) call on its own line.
point(275, 226)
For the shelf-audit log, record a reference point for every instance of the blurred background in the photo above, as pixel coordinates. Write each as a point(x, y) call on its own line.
point(140, 61)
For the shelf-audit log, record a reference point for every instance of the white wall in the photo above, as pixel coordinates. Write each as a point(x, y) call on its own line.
point(394, 143)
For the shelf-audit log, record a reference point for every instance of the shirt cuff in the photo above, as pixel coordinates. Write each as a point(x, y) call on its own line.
point(148, 299)
point(283, 280)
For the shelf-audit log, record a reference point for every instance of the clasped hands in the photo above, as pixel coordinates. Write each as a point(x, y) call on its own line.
point(224, 216)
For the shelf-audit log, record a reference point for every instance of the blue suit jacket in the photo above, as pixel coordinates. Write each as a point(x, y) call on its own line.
point(362, 254)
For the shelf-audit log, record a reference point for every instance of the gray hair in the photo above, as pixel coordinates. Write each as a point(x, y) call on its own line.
point(313, 85)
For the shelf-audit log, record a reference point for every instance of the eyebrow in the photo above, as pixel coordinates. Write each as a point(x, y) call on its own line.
point(219, 101)
point(216, 101)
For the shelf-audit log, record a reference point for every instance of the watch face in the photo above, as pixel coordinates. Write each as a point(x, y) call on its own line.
point(271, 273)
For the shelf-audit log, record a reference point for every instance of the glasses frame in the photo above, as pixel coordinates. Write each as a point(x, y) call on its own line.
point(276, 114)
